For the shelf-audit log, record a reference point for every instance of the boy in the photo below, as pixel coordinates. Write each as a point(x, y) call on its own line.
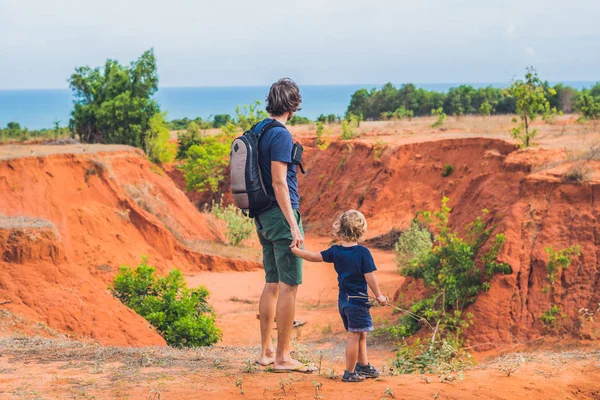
point(356, 269)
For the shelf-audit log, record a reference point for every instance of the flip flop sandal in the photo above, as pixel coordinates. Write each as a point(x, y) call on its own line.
point(302, 368)
point(263, 365)
point(298, 324)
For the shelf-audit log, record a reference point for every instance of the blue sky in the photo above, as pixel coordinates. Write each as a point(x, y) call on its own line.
point(228, 43)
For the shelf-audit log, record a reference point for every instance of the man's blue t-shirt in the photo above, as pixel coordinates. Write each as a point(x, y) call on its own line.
point(276, 145)
point(351, 265)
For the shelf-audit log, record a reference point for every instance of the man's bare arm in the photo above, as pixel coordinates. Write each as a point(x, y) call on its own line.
point(282, 194)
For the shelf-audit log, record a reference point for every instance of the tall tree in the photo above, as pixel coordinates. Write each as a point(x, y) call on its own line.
point(115, 104)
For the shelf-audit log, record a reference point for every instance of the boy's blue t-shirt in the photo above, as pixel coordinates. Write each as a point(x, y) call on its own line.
point(351, 265)
point(276, 145)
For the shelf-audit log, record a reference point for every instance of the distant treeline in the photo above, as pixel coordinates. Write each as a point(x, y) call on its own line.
point(14, 131)
point(219, 121)
point(408, 100)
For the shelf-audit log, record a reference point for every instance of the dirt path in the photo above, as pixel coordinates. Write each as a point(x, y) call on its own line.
point(235, 297)
point(33, 368)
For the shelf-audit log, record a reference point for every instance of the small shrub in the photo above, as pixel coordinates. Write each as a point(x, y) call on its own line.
point(485, 109)
point(575, 174)
point(441, 117)
point(349, 130)
point(158, 147)
point(190, 137)
point(412, 245)
point(560, 260)
point(181, 315)
point(205, 164)
point(448, 169)
point(239, 227)
point(548, 318)
point(449, 268)
point(298, 120)
point(320, 141)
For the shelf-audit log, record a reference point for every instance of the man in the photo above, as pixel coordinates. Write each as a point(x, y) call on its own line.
point(279, 229)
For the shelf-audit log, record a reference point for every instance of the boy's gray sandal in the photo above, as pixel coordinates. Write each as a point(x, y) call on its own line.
point(368, 371)
point(352, 377)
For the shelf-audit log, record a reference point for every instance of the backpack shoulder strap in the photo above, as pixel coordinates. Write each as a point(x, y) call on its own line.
point(267, 127)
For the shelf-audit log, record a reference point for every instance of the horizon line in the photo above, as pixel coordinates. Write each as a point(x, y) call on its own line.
point(365, 85)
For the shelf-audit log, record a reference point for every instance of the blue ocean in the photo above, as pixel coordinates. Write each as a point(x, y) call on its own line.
point(37, 109)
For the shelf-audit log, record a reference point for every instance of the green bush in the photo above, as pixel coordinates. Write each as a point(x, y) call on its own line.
point(181, 315)
point(559, 260)
point(449, 268)
point(548, 318)
point(412, 245)
point(298, 120)
point(249, 114)
point(485, 108)
point(205, 164)
point(320, 142)
point(448, 169)
point(589, 106)
point(188, 138)
point(441, 117)
point(158, 147)
point(350, 127)
point(239, 226)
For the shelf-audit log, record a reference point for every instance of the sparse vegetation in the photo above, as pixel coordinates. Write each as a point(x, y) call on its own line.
point(158, 147)
point(560, 260)
point(181, 315)
point(450, 269)
point(350, 128)
point(440, 117)
point(448, 169)
point(298, 120)
point(412, 245)
point(239, 226)
point(322, 143)
point(576, 174)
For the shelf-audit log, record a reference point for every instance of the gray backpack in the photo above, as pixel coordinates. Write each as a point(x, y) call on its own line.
point(249, 192)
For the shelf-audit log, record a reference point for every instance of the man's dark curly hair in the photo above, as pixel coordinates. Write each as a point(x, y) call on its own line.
point(284, 96)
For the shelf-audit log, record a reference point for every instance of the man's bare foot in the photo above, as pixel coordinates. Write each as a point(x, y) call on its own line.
point(266, 359)
point(293, 366)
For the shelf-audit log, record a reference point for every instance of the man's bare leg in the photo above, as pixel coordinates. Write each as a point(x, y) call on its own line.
point(286, 309)
point(266, 310)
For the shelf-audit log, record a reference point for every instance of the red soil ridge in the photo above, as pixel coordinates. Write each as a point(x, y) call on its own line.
point(70, 220)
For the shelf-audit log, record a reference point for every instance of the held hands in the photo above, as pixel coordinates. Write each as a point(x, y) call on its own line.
point(382, 300)
point(296, 250)
point(297, 239)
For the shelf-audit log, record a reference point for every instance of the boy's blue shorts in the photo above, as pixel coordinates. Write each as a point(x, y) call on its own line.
point(356, 318)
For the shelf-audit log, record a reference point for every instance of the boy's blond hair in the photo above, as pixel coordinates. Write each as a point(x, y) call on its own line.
point(350, 226)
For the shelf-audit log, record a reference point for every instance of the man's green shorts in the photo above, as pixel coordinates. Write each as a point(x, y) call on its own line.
point(281, 265)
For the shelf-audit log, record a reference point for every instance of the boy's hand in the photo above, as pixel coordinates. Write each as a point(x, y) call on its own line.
point(296, 250)
point(382, 300)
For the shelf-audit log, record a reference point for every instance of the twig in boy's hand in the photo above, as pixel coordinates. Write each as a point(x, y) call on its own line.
point(414, 316)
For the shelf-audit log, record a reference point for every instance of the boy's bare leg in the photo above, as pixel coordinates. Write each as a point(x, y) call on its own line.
point(352, 350)
point(362, 349)
point(266, 309)
point(285, 312)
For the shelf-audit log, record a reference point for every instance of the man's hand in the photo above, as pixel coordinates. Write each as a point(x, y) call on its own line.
point(297, 239)
point(382, 300)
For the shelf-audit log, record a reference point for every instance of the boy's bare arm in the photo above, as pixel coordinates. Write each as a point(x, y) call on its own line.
point(372, 282)
point(312, 256)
